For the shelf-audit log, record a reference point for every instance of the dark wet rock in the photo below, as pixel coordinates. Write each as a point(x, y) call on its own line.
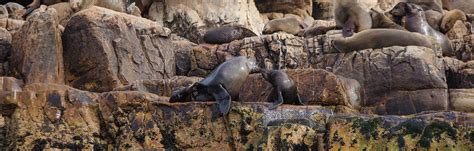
point(37, 54)
point(104, 49)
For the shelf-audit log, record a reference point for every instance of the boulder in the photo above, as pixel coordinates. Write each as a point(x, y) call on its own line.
point(162, 87)
point(12, 25)
point(191, 19)
point(462, 100)
point(37, 54)
point(459, 31)
point(104, 49)
point(315, 87)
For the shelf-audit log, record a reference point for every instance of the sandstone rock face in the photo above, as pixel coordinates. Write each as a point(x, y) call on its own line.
point(106, 49)
point(162, 87)
point(302, 8)
point(315, 87)
point(37, 54)
point(64, 12)
point(462, 99)
point(191, 19)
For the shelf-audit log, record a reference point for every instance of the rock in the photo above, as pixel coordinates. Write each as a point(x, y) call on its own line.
point(461, 79)
point(386, 77)
point(463, 48)
point(5, 50)
point(163, 87)
point(182, 56)
point(104, 49)
point(458, 31)
point(64, 12)
point(302, 8)
point(61, 118)
point(15, 10)
point(191, 19)
point(315, 87)
point(430, 131)
point(3, 12)
point(10, 84)
point(462, 100)
point(12, 25)
point(37, 54)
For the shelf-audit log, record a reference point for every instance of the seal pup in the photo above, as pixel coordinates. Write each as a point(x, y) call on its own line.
point(351, 16)
point(450, 18)
point(284, 88)
point(416, 22)
point(226, 34)
point(222, 85)
point(380, 20)
point(291, 25)
point(380, 38)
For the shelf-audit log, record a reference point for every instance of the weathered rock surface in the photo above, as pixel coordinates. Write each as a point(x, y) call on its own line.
point(37, 54)
point(60, 117)
point(162, 87)
point(15, 10)
point(64, 12)
point(104, 49)
point(191, 19)
point(12, 25)
point(315, 87)
point(10, 84)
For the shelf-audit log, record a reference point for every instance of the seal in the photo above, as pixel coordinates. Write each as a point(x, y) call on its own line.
point(416, 22)
point(226, 34)
point(380, 38)
point(433, 18)
point(450, 18)
point(291, 25)
point(436, 5)
point(222, 85)
point(315, 31)
point(351, 16)
point(380, 20)
point(284, 88)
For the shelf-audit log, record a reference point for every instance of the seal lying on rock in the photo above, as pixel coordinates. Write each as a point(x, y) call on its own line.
point(222, 85)
point(351, 16)
point(226, 34)
point(380, 38)
point(416, 22)
point(289, 25)
point(284, 88)
point(450, 18)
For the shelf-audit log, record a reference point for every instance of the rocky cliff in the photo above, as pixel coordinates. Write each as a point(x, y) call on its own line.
point(98, 79)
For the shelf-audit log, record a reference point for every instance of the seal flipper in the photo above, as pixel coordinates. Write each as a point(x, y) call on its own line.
point(223, 99)
point(279, 101)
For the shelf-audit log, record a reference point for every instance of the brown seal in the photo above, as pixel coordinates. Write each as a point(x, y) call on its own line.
point(450, 18)
point(284, 89)
point(467, 6)
point(380, 38)
point(416, 22)
point(380, 20)
point(289, 25)
point(351, 16)
point(226, 34)
point(433, 18)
